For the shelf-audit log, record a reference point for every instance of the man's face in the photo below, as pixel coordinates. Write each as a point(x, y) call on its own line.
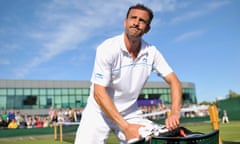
point(137, 23)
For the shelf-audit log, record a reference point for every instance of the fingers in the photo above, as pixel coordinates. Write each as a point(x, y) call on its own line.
point(172, 122)
point(132, 131)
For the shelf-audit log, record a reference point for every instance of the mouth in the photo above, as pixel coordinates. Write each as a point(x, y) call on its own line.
point(136, 29)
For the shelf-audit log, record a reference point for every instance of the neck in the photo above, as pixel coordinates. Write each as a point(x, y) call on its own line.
point(133, 45)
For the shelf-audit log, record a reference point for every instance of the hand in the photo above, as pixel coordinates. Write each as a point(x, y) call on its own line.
point(132, 131)
point(173, 121)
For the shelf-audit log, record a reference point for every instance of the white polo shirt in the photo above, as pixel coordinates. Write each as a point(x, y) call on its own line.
point(124, 77)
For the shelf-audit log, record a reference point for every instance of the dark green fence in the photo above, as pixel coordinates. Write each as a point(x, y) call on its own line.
point(232, 106)
point(24, 132)
point(4, 133)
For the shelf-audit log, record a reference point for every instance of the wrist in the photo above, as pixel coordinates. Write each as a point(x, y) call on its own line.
point(124, 125)
point(178, 113)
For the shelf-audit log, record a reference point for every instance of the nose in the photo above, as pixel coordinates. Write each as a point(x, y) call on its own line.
point(136, 22)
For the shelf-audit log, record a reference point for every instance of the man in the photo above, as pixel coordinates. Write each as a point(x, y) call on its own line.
point(122, 66)
point(225, 117)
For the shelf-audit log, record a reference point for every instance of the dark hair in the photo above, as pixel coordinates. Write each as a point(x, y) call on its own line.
point(141, 7)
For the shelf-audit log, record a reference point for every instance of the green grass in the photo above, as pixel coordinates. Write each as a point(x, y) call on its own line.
point(33, 141)
point(229, 133)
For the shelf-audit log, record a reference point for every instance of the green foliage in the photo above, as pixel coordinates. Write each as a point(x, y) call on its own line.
point(205, 103)
point(233, 94)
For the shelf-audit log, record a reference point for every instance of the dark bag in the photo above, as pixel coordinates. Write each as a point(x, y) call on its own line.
point(180, 132)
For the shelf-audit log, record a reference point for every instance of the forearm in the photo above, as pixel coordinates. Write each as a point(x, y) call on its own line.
point(108, 107)
point(173, 120)
point(176, 97)
point(176, 92)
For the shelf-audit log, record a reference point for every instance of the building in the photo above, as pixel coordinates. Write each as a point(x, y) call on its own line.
point(43, 94)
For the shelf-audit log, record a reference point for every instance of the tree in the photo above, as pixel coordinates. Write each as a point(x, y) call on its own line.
point(233, 94)
point(205, 103)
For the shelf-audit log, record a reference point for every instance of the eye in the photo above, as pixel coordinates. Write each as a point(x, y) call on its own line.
point(143, 21)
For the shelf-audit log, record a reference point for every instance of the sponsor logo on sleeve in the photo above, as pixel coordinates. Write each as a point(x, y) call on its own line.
point(98, 75)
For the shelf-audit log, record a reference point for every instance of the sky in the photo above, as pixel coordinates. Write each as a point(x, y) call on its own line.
point(57, 39)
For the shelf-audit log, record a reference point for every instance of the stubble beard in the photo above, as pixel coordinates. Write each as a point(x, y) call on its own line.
point(134, 33)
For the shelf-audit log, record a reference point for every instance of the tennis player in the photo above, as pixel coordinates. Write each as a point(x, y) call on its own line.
point(122, 66)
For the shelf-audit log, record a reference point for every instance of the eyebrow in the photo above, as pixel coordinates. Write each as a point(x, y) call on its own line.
point(140, 19)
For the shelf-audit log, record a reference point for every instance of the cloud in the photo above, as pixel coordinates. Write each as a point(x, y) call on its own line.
point(189, 35)
point(162, 6)
point(64, 25)
point(67, 24)
point(187, 16)
point(198, 12)
point(217, 4)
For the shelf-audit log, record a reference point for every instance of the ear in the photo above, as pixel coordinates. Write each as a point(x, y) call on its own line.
point(124, 23)
point(147, 28)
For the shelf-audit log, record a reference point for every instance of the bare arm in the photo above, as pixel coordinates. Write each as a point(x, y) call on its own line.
point(173, 120)
point(104, 101)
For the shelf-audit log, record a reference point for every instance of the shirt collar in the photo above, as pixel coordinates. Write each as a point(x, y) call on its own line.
point(124, 49)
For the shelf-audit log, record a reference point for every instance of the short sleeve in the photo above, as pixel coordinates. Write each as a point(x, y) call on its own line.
point(160, 65)
point(102, 67)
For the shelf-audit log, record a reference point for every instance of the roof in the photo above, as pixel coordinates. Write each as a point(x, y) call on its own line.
point(72, 84)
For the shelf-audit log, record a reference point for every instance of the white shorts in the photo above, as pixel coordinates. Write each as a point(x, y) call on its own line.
point(95, 127)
